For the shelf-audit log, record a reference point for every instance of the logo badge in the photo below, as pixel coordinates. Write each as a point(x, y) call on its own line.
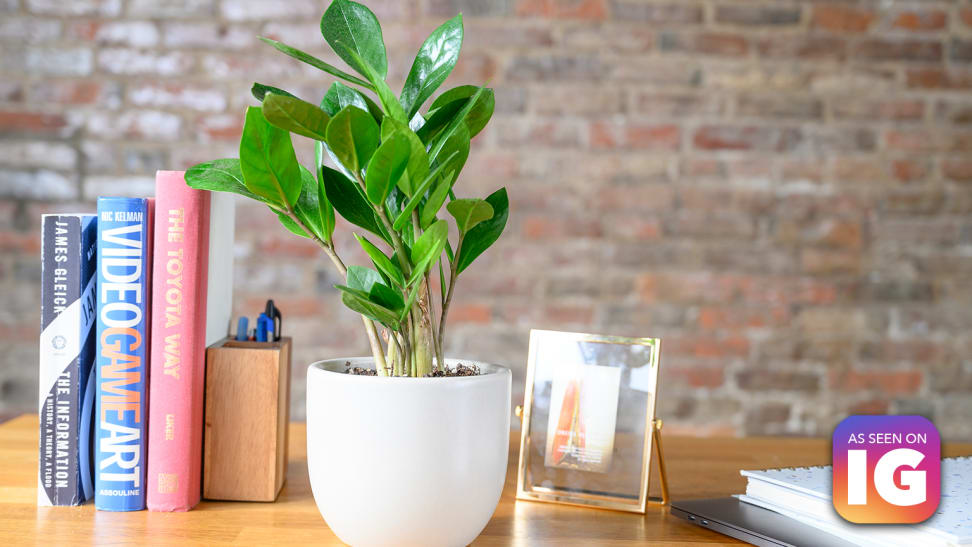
point(887, 469)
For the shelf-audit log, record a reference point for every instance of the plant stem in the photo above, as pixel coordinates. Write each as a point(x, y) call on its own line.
point(453, 272)
point(377, 352)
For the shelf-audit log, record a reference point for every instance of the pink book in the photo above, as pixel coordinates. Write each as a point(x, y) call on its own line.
point(177, 364)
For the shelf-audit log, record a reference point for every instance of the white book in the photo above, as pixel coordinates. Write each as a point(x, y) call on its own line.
point(219, 296)
point(805, 495)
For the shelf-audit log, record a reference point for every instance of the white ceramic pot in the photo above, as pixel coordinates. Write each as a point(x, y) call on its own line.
point(407, 461)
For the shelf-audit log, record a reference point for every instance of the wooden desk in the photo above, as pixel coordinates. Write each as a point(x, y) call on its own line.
point(697, 468)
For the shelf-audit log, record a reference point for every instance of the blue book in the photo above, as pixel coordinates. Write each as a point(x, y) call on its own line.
point(67, 350)
point(121, 409)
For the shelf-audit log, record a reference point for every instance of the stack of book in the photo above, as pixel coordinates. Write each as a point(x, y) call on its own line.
point(130, 298)
point(804, 494)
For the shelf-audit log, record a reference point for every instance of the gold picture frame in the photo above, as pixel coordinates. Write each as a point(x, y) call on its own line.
point(604, 458)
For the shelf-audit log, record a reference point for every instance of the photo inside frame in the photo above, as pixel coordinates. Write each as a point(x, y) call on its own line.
point(592, 400)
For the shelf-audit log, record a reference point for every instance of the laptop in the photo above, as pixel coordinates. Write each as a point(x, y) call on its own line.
point(752, 524)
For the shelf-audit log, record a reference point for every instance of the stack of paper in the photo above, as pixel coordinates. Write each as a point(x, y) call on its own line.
point(804, 494)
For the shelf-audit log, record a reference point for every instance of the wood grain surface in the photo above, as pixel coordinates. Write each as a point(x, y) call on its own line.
point(697, 467)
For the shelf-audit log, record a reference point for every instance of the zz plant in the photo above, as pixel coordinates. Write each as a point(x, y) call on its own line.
point(395, 169)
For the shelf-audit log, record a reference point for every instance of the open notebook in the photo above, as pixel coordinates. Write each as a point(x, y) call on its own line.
point(804, 494)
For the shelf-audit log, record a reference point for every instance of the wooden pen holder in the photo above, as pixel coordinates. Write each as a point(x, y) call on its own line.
point(247, 414)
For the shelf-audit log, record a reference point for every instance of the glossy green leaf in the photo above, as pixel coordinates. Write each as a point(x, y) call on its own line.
point(339, 96)
point(354, 25)
point(430, 209)
point(418, 161)
point(381, 261)
point(267, 161)
point(369, 281)
point(219, 176)
point(487, 232)
point(316, 63)
point(427, 249)
point(353, 137)
point(402, 219)
point(349, 203)
point(469, 212)
point(435, 60)
point(312, 207)
point(295, 115)
point(360, 302)
point(436, 145)
point(387, 166)
point(457, 148)
point(387, 98)
point(260, 91)
point(289, 224)
point(453, 101)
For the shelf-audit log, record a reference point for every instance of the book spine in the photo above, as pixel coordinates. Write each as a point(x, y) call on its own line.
point(66, 353)
point(124, 251)
point(176, 383)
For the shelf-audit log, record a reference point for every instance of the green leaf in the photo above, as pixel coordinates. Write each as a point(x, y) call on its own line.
point(412, 297)
point(295, 115)
point(339, 96)
point(435, 60)
point(469, 212)
point(312, 207)
point(387, 166)
point(346, 198)
point(260, 91)
point(388, 99)
point(267, 161)
point(353, 137)
point(447, 106)
point(438, 196)
point(381, 261)
point(487, 232)
point(370, 282)
point(357, 27)
point(457, 121)
point(316, 63)
point(427, 249)
point(457, 148)
point(289, 224)
point(402, 219)
point(326, 209)
point(361, 303)
point(418, 160)
point(219, 176)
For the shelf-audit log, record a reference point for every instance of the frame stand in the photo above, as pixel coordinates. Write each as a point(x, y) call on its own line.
point(657, 447)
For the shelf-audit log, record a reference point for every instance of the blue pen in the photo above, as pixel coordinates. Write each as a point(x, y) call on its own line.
point(241, 329)
point(261, 330)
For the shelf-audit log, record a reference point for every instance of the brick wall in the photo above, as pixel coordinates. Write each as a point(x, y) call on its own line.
point(780, 190)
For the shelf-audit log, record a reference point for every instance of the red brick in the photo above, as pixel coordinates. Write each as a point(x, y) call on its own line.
point(802, 47)
point(778, 106)
point(569, 314)
point(842, 18)
point(913, 140)
point(724, 317)
point(32, 123)
point(872, 406)
point(222, 126)
point(730, 345)
point(286, 244)
point(470, 313)
point(19, 242)
point(889, 49)
point(757, 15)
point(966, 15)
point(779, 380)
point(698, 376)
point(887, 382)
point(565, 9)
point(548, 227)
point(957, 169)
point(656, 137)
point(909, 170)
point(705, 43)
point(920, 20)
point(937, 78)
point(724, 137)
